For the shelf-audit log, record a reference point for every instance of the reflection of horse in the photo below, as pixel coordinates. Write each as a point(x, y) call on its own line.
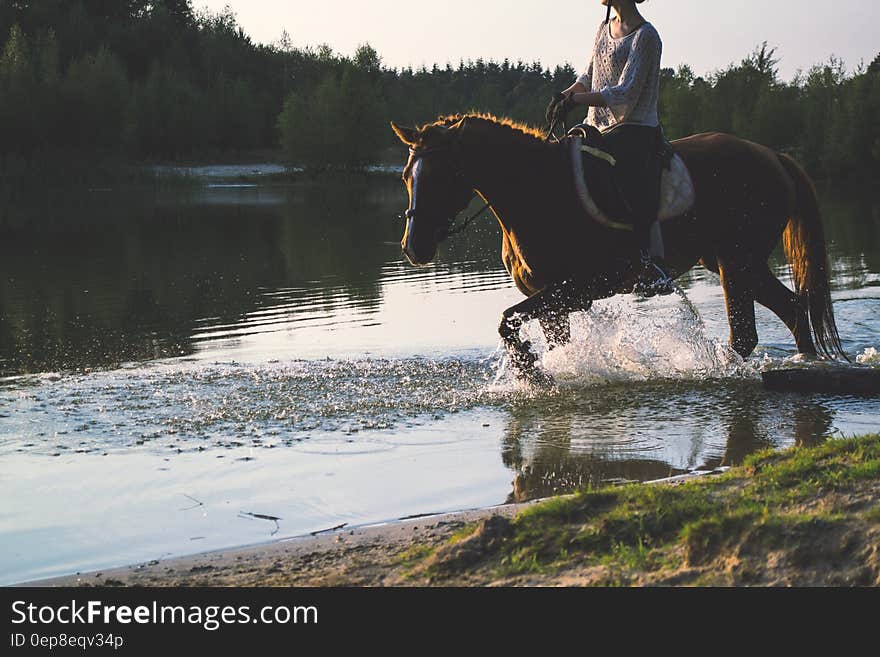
point(747, 197)
point(579, 442)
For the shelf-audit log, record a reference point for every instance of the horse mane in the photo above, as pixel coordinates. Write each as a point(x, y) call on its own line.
point(494, 129)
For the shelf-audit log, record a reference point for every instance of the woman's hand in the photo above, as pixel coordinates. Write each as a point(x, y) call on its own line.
point(562, 102)
point(560, 105)
point(577, 87)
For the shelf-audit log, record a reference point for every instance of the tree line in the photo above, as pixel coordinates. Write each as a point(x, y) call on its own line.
point(148, 80)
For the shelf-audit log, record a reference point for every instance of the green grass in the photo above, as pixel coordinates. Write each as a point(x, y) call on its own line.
point(644, 528)
point(462, 533)
point(872, 515)
point(413, 556)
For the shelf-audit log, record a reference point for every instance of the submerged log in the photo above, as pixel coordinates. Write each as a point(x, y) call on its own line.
point(840, 380)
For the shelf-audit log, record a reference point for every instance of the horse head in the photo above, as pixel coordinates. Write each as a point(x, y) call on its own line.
point(437, 187)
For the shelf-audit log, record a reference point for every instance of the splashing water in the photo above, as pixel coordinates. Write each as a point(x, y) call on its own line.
point(627, 339)
point(228, 405)
point(870, 356)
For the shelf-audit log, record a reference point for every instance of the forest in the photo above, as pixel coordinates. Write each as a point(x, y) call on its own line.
point(143, 81)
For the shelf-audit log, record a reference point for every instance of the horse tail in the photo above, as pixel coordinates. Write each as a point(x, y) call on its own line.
point(805, 250)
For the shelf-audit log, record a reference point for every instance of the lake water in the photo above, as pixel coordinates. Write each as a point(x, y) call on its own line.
point(174, 359)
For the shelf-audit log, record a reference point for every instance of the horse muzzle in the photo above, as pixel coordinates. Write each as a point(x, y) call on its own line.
point(416, 250)
point(421, 255)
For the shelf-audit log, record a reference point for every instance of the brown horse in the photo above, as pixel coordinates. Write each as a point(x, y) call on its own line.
point(747, 197)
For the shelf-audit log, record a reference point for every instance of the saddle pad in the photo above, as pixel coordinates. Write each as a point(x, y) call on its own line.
point(677, 192)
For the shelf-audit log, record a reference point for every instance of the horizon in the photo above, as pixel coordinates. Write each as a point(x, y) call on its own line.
point(798, 32)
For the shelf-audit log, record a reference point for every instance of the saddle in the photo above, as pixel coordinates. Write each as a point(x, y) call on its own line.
point(601, 194)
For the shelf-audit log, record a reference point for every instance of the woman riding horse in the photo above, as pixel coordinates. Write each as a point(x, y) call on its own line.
point(621, 85)
point(748, 197)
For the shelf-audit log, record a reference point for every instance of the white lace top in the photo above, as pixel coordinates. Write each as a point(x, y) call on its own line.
point(626, 72)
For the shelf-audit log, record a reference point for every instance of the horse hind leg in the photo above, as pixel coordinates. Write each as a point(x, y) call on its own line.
point(785, 304)
point(737, 282)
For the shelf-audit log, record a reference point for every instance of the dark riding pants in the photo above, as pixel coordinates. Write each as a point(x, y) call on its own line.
point(638, 150)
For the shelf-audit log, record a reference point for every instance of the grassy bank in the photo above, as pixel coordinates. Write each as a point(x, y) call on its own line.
point(801, 517)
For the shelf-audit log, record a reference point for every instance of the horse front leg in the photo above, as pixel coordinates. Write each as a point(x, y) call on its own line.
point(521, 357)
point(557, 329)
point(551, 306)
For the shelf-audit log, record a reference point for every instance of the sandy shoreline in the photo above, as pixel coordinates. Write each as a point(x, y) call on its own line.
point(327, 559)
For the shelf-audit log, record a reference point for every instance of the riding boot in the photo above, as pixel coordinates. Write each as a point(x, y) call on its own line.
point(653, 278)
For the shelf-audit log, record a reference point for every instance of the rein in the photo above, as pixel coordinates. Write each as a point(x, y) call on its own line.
point(455, 230)
point(550, 137)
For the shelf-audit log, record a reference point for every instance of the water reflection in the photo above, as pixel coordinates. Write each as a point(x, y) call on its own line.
point(114, 287)
point(139, 276)
point(645, 432)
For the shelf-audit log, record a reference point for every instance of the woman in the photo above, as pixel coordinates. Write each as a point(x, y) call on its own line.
point(621, 85)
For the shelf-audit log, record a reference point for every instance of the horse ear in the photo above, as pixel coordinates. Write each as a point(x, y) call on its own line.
point(459, 128)
point(409, 136)
point(460, 124)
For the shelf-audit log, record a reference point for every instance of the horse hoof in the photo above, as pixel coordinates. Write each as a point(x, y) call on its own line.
point(537, 378)
point(522, 360)
point(525, 370)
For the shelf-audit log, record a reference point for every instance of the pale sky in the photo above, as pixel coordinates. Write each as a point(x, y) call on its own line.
point(708, 34)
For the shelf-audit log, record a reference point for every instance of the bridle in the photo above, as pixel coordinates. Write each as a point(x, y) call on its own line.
point(451, 229)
